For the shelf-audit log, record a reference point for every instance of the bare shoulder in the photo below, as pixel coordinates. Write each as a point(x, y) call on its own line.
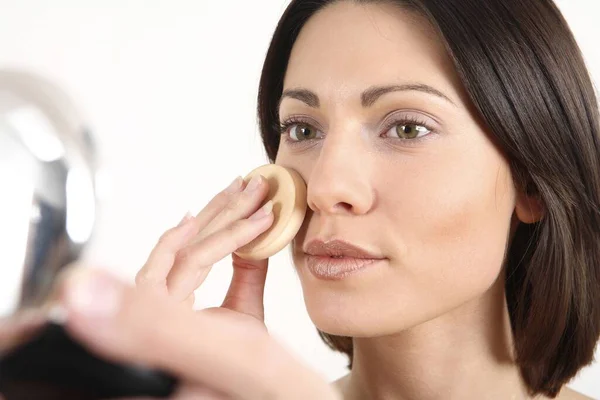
point(570, 394)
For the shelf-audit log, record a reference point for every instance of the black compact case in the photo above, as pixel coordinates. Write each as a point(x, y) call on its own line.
point(53, 366)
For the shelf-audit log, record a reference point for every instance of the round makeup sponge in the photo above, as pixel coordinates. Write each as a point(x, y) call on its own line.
point(288, 192)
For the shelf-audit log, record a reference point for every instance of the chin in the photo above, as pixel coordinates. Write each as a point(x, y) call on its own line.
point(358, 306)
point(335, 318)
point(347, 316)
point(380, 302)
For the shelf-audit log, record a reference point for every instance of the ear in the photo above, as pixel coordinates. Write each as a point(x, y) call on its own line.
point(529, 207)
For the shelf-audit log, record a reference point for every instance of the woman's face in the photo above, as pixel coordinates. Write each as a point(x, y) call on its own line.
point(396, 163)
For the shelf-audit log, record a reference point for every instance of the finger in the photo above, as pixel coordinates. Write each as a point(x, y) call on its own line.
point(20, 327)
point(159, 263)
point(219, 202)
point(247, 287)
point(193, 262)
point(155, 270)
point(241, 206)
point(120, 323)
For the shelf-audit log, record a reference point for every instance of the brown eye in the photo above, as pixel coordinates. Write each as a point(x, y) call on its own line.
point(410, 131)
point(300, 132)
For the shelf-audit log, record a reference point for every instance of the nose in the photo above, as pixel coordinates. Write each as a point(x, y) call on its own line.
point(339, 182)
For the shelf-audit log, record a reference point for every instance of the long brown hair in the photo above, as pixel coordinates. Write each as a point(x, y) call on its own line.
point(526, 78)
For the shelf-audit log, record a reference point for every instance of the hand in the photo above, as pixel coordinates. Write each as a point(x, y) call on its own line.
point(185, 254)
point(214, 356)
point(18, 328)
point(183, 258)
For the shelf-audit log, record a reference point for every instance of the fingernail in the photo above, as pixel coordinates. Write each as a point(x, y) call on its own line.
point(235, 186)
point(254, 183)
point(94, 294)
point(186, 218)
point(57, 314)
point(263, 211)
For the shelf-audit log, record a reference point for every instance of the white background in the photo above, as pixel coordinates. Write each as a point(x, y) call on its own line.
point(169, 89)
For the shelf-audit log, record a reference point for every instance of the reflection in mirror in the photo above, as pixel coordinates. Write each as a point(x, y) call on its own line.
point(47, 169)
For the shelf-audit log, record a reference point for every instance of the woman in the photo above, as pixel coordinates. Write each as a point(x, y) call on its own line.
point(454, 145)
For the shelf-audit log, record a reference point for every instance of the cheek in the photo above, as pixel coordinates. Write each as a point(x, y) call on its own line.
point(302, 164)
point(443, 218)
point(454, 220)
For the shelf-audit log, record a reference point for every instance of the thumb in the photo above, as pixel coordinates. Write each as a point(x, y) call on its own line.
point(123, 324)
point(247, 287)
point(19, 328)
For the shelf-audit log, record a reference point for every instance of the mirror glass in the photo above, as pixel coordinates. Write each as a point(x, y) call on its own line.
point(47, 170)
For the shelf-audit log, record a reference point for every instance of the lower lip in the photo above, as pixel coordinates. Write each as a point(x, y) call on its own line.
point(334, 269)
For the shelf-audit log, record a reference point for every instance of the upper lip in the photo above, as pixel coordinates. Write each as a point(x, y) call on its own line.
point(338, 248)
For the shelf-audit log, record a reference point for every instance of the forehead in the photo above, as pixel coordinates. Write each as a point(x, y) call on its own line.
point(347, 47)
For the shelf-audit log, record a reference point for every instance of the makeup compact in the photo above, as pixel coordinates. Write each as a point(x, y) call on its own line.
point(48, 184)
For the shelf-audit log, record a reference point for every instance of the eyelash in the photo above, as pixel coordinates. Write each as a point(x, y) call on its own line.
point(403, 120)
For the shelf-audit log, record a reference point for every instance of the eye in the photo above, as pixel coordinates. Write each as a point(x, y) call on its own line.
point(300, 132)
point(297, 130)
point(408, 130)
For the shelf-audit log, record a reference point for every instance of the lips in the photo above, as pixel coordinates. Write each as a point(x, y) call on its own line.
point(338, 248)
point(337, 259)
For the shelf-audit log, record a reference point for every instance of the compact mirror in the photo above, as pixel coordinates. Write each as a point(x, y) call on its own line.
point(47, 169)
point(48, 166)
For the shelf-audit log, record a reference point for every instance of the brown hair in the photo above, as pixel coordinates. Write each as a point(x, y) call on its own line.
point(525, 76)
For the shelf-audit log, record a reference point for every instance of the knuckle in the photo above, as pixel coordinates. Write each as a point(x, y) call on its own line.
point(232, 232)
point(190, 257)
point(223, 197)
point(166, 237)
point(235, 199)
point(232, 205)
point(145, 278)
point(230, 229)
point(239, 200)
point(184, 256)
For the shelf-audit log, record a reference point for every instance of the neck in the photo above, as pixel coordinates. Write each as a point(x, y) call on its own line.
point(466, 353)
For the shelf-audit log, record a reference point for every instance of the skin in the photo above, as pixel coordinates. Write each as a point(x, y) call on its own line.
point(431, 321)
point(219, 353)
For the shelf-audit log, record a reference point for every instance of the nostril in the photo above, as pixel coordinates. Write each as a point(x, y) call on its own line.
point(343, 206)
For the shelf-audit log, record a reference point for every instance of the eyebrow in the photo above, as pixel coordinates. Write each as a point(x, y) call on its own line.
point(368, 97)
